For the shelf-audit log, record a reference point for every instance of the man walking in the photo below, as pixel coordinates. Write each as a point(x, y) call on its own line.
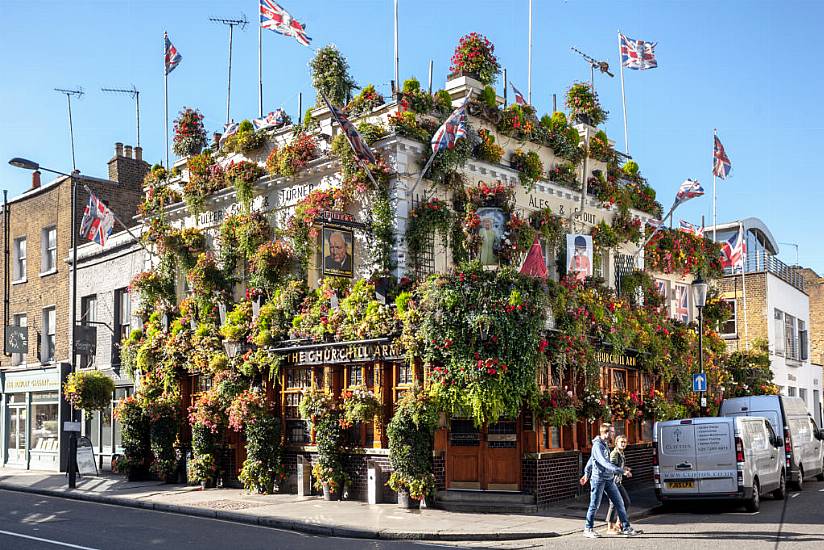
point(601, 473)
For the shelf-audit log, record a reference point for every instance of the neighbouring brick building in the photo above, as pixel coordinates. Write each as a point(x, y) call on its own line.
point(36, 239)
point(778, 308)
point(814, 285)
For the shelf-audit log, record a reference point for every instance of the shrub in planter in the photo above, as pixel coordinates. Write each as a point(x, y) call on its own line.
point(164, 420)
point(583, 104)
point(292, 158)
point(600, 149)
point(205, 178)
point(410, 434)
point(189, 133)
point(245, 140)
point(475, 56)
point(367, 100)
point(487, 150)
point(275, 318)
point(443, 102)
point(202, 468)
point(134, 434)
point(330, 437)
point(566, 174)
point(88, 390)
point(529, 166)
point(330, 76)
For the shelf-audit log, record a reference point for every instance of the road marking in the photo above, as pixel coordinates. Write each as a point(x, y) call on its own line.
point(58, 543)
point(794, 495)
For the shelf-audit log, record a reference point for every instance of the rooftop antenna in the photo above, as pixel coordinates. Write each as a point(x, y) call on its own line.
point(135, 93)
point(69, 93)
point(602, 66)
point(231, 23)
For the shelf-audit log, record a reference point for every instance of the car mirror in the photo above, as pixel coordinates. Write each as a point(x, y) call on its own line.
point(774, 441)
point(820, 434)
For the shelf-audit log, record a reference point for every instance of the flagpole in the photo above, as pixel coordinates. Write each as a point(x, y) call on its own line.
point(529, 59)
point(260, 71)
point(623, 95)
point(743, 236)
point(397, 60)
point(714, 205)
point(166, 101)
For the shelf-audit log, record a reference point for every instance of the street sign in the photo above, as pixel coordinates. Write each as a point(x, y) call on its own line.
point(71, 426)
point(85, 340)
point(699, 382)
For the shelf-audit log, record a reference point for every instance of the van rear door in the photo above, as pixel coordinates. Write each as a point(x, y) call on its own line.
point(676, 458)
point(715, 450)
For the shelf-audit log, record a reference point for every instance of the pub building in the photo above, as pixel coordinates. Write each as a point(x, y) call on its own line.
point(541, 462)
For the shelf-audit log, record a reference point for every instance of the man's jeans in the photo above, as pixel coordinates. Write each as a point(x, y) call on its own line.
point(599, 486)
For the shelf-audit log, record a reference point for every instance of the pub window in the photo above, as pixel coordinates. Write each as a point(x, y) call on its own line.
point(404, 375)
point(297, 429)
point(619, 380)
point(404, 378)
point(298, 378)
point(646, 383)
point(204, 384)
point(552, 437)
point(355, 377)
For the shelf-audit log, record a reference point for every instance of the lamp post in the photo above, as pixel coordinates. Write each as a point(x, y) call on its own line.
point(699, 295)
point(26, 164)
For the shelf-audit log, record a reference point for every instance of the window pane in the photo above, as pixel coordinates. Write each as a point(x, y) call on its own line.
point(106, 439)
point(44, 427)
point(92, 427)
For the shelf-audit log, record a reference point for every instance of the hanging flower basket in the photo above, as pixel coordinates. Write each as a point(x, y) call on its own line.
point(89, 390)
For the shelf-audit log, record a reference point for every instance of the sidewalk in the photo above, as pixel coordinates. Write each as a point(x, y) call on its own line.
point(312, 515)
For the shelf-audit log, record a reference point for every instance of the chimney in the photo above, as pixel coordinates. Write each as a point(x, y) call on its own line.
point(126, 169)
point(35, 179)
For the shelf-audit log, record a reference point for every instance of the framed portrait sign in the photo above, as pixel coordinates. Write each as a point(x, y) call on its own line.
point(338, 252)
point(579, 256)
point(490, 233)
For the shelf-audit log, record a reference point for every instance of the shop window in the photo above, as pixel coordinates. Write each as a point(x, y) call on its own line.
point(44, 428)
point(19, 259)
point(19, 320)
point(48, 250)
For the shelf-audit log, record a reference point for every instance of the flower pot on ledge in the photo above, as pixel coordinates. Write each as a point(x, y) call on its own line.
point(405, 501)
point(329, 493)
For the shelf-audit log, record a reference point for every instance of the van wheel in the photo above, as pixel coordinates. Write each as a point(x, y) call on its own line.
point(781, 492)
point(754, 503)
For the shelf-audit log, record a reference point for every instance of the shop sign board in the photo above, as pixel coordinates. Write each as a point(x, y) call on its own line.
point(343, 353)
point(17, 339)
point(85, 340)
point(32, 381)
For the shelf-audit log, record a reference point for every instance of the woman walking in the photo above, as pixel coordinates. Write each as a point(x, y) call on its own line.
point(618, 459)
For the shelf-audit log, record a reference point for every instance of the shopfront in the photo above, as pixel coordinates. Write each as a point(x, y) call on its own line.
point(32, 419)
point(102, 427)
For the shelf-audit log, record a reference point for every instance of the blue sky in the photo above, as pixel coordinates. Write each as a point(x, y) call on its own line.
point(752, 69)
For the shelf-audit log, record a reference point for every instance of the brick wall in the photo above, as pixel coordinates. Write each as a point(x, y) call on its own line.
point(355, 465)
point(639, 458)
point(814, 286)
point(552, 477)
point(758, 317)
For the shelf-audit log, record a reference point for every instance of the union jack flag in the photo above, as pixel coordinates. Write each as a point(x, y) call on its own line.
point(275, 119)
point(453, 129)
point(654, 223)
point(682, 303)
point(229, 129)
point(519, 97)
point(172, 56)
point(690, 228)
point(689, 190)
point(721, 165)
point(637, 54)
point(661, 287)
point(361, 149)
point(98, 221)
point(275, 18)
point(734, 250)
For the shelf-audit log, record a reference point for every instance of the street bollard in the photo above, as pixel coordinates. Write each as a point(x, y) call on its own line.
point(304, 477)
point(374, 482)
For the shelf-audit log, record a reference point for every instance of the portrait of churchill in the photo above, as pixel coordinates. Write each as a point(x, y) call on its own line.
point(337, 252)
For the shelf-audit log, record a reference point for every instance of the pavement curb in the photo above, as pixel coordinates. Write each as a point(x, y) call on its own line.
point(277, 522)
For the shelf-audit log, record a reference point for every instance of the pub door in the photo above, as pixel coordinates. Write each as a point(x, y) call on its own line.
point(487, 458)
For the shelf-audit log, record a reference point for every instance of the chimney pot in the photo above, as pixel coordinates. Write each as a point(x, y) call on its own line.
point(35, 179)
point(138, 153)
point(127, 151)
point(118, 149)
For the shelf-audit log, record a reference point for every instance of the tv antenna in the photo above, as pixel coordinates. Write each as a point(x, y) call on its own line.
point(69, 94)
point(231, 23)
point(135, 93)
point(602, 66)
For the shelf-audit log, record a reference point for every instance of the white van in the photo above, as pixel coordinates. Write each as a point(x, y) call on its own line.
point(802, 440)
point(717, 458)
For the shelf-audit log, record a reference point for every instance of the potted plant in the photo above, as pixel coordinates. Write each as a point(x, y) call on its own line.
point(360, 405)
point(164, 421)
point(134, 433)
point(189, 133)
point(88, 390)
point(583, 104)
point(474, 56)
point(330, 76)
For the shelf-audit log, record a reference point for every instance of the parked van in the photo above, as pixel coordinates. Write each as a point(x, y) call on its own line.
point(802, 439)
point(718, 458)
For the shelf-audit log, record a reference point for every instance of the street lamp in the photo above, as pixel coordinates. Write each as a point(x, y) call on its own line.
point(699, 296)
point(27, 164)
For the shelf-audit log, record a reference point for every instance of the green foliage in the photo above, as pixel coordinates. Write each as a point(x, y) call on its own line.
point(164, 420)
point(290, 159)
point(330, 76)
point(750, 372)
point(443, 102)
point(243, 174)
point(410, 434)
point(134, 425)
point(270, 265)
point(487, 150)
point(489, 97)
point(275, 319)
point(255, 416)
point(237, 323)
point(475, 55)
point(428, 219)
point(583, 104)
point(245, 140)
point(367, 100)
point(88, 390)
point(414, 98)
point(529, 166)
point(360, 405)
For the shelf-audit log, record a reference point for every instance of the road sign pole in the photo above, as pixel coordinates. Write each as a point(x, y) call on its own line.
point(703, 402)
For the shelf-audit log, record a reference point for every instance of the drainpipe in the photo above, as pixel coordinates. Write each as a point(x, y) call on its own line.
point(6, 257)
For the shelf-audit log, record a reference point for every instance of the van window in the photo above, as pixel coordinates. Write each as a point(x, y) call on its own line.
point(801, 430)
point(772, 417)
point(757, 435)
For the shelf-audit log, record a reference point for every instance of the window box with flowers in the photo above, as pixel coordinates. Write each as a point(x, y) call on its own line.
point(529, 166)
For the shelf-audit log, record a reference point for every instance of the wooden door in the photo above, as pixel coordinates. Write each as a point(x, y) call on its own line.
point(464, 465)
point(502, 464)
